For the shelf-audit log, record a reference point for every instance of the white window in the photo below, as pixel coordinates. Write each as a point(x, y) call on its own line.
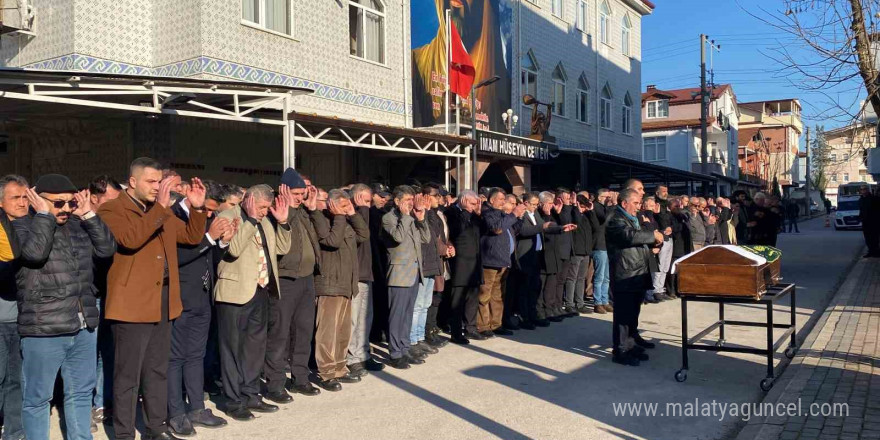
point(604, 22)
point(625, 28)
point(846, 177)
point(833, 158)
point(559, 80)
point(581, 15)
point(658, 109)
point(529, 74)
point(605, 108)
point(556, 8)
point(627, 113)
point(366, 29)
point(582, 100)
point(273, 15)
point(834, 177)
point(654, 148)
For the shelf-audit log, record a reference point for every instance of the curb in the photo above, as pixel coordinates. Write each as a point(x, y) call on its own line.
point(763, 428)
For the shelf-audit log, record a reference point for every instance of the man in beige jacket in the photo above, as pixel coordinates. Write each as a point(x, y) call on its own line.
point(247, 276)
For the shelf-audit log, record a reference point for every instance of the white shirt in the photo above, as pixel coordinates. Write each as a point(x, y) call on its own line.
point(540, 245)
point(182, 204)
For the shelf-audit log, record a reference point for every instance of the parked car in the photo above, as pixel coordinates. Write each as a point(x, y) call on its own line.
point(847, 214)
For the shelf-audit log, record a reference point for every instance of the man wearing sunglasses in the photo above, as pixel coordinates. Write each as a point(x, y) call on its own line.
point(58, 313)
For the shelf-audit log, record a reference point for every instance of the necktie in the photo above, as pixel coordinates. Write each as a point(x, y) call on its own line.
point(263, 274)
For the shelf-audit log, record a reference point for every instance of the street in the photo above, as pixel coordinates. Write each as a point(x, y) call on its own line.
point(559, 382)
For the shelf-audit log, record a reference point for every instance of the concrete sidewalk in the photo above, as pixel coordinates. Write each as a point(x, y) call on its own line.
point(837, 364)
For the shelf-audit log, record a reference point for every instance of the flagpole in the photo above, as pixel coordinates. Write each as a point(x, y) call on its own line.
point(448, 60)
point(457, 115)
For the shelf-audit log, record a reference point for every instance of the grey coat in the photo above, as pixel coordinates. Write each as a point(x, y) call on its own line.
point(403, 236)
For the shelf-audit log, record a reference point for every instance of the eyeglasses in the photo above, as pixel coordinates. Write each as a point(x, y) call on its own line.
point(58, 204)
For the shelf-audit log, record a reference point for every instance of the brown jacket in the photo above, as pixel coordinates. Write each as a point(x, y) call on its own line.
point(145, 240)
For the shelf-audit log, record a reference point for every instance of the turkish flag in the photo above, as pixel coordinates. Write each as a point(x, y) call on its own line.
point(461, 67)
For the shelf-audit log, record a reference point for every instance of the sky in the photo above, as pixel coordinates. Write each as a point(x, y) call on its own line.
point(671, 55)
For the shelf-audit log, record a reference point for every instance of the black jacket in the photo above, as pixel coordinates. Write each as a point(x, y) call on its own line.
point(599, 228)
point(664, 218)
point(564, 241)
point(432, 264)
point(379, 254)
point(582, 238)
point(552, 257)
point(196, 267)
point(681, 235)
point(365, 249)
point(339, 237)
point(649, 223)
point(55, 273)
point(496, 230)
point(628, 254)
point(464, 234)
point(527, 236)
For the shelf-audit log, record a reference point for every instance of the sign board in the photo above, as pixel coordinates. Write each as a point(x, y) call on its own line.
point(513, 147)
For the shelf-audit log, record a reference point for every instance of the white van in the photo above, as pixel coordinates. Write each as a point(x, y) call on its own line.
point(847, 215)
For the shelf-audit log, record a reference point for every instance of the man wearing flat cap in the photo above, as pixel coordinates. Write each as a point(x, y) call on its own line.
point(58, 313)
point(292, 313)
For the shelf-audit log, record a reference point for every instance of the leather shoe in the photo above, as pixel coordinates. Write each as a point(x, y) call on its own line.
point(416, 354)
point(608, 308)
point(489, 334)
point(373, 365)
point(414, 360)
point(625, 359)
point(427, 348)
point(502, 331)
point(330, 385)
point(305, 390)
point(542, 323)
point(585, 310)
point(181, 426)
point(510, 327)
point(460, 340)
point(600, 309)
point(436, 341)
point(641, 342)
point(527, 326)
point(554, 319)
point(205, 418)
point(163, 436)
point(262, 407)
point(357, 370)
point(242, 414)
point(349, 378)
point(475, 336)
point(401, 363)
point(279, 397)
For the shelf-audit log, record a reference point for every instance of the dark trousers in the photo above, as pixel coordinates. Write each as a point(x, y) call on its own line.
point(627, 306)
point(464, 303)
point(10, 380)
point(189, 339)
point(291, 326)
point(380, 310)
point(242, 333)
point(872, 239)
point(545, 305)
point(793, 223)
point(524, 287)
point(559, 293)
point(401, 303)
point(431, 321)
point(140, 363)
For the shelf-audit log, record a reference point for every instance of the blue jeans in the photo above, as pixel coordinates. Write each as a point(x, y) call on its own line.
point(601, 278)
point(104, 381)
point(10, 381)
point(42, 357)
point(420, 311)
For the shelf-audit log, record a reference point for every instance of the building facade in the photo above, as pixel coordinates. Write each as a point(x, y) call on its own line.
point(671, 132)
point(780, 122)
point(845, 158)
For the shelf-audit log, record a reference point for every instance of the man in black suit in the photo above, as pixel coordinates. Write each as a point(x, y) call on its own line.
point(466, 267)
point(525, 280)
point(189, 332)
point(553, 259)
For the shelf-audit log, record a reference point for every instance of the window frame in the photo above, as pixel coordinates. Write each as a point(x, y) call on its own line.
point(582, 15)
point(582, 100)
point(625, 35)
point(845, 177)
point(605, 14)
point(656, 104)
point(261, 23)
point(606, 109)
point(656, 143)
point(557, 8)
point(384, 22)
point(559, 81)
point(627, 115)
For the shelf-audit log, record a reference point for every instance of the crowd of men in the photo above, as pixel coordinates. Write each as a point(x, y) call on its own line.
point(161, 289)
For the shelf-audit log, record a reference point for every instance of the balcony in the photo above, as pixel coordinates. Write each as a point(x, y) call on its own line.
point(713, 166)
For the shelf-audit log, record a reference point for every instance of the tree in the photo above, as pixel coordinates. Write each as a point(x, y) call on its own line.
point(820, 159)
point(832, 47)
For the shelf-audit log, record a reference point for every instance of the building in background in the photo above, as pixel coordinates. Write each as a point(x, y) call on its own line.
point(671, 132)
point(845, 158)
point(754, 159)
point(780, 122)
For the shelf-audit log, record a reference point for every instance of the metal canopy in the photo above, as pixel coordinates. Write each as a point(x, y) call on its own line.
point(224, 100)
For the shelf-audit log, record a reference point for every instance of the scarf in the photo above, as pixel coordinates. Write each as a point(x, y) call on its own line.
point(636, 224)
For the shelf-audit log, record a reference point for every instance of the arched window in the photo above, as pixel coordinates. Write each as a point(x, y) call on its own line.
point(625, 32)
point(529, 74)
point(627, 115)
point(605, 108)
point(582, 99)
point(559, 80)
point(366, 29)
point(604, 22)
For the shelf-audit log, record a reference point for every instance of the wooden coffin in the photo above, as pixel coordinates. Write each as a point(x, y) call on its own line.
point(719, 271)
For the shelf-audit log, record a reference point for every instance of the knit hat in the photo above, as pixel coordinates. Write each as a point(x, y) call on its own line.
point(55, 184)
point(292, 179)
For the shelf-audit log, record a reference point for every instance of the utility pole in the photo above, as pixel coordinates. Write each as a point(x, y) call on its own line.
point(807, 180)
point(704, 117)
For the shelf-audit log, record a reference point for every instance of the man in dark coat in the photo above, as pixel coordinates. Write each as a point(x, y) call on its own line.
point(496, 248)
point(552, 264)
point(582, 248)
point(58, 313)
point(524, 282)
point(465, 267)
point(629, 254)
point(869, 213)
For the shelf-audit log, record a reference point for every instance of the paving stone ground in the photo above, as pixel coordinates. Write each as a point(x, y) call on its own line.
point(836, 369)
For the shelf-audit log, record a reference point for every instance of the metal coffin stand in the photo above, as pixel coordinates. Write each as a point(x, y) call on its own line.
point(774, 294)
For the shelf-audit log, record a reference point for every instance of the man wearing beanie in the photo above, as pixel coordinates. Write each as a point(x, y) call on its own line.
point(58, 313)
point(292, 314)
point(143, 292)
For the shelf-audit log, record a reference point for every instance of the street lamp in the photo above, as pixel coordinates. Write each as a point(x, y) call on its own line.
point(474, 88)
point(510, 120)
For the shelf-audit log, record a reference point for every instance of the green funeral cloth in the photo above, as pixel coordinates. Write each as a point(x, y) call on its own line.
point(769, 253)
